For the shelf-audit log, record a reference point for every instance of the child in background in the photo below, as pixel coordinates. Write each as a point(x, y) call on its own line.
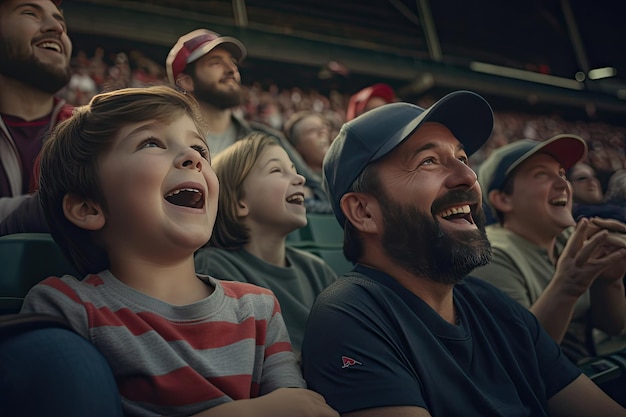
point(261, 202)
point(129, 193)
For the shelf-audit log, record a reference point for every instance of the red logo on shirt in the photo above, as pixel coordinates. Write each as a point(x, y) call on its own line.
point(349, 362)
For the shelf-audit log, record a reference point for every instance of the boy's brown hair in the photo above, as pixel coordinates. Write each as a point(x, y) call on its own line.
point(232, 166)
point(70, 159)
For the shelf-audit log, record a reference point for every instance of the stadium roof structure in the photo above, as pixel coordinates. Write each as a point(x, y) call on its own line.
point(557, 52)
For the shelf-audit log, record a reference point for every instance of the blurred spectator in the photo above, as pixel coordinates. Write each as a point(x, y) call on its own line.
point(98, 68)
point(81, 87)
point(119, 74)
point(369, 98)
point(309, 133)
point(587, 195)
point(616, 192)
point(586, 188)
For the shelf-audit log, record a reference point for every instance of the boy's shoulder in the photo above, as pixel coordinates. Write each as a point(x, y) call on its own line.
point(302, 254)
point(238, 289)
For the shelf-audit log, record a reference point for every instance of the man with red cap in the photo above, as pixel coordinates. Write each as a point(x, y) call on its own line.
point(369, 98)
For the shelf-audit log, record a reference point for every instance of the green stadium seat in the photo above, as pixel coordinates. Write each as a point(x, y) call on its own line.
point(25, 260)
point(334, 258)
point(322, 230)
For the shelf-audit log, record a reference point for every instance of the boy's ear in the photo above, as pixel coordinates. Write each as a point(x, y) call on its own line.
point(242, 209)
point(83, 213)
point(501, 201)
point(362, 210)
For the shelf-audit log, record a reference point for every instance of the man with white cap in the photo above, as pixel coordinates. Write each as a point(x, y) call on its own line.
point(406, 334)
point(205, 64)
point(569, 288)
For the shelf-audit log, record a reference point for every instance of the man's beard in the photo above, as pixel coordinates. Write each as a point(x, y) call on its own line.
point(215, 97)
point(416, 241)
point(24, 67)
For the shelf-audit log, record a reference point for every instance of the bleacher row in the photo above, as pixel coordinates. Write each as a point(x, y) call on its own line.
point(28, 258)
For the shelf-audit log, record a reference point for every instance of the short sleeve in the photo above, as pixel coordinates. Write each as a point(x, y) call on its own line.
point(352, 359)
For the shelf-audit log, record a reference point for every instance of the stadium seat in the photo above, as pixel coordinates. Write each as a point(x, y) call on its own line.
point(334, 258)
point(26, 259)
point(323, 231)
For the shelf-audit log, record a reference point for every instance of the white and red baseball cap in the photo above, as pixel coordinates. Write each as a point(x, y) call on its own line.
point(196, 44)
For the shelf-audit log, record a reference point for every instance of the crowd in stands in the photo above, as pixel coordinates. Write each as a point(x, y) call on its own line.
point(273, 106)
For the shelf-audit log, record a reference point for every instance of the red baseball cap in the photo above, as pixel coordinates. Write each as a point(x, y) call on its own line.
point(359, 100)
point(196, 44)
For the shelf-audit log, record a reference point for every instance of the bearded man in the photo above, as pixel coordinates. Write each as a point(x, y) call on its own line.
point(406, 333)
point(35, 55)
point(205, 65)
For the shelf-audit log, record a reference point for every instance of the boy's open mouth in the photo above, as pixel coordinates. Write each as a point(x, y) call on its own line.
point(297, 198)
point(186, 197)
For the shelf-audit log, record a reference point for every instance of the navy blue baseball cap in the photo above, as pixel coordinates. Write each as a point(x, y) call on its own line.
point(377, 132)
point(496, 169)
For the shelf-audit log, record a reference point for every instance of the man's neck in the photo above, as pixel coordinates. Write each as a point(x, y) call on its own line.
point(438, 296)
point(542, 238)
point(23, 101)
point(217, 120)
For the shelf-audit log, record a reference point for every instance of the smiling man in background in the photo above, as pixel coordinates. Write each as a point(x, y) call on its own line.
point(35, 55)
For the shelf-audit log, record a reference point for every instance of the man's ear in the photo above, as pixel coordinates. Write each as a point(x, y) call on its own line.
point(83, 213)
point(361, 210)
point(185, 83)
point(500, 200)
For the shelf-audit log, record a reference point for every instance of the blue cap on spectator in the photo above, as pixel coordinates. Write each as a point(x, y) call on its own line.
point(376, 133)
point(494, 171)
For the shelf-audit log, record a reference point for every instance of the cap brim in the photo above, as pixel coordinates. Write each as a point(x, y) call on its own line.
point(468, 116)
point(236, 48)
point(566, 149)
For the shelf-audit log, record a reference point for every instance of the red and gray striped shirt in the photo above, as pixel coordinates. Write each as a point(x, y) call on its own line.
point(177, 360)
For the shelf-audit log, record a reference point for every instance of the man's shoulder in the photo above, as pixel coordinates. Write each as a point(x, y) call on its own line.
point(352, 288)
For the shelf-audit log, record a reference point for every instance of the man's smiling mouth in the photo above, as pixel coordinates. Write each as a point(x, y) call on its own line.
point(459, 212)
point(50, 45)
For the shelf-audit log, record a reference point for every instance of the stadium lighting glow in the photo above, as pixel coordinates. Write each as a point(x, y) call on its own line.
point(526, 75)
point(599, 73)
